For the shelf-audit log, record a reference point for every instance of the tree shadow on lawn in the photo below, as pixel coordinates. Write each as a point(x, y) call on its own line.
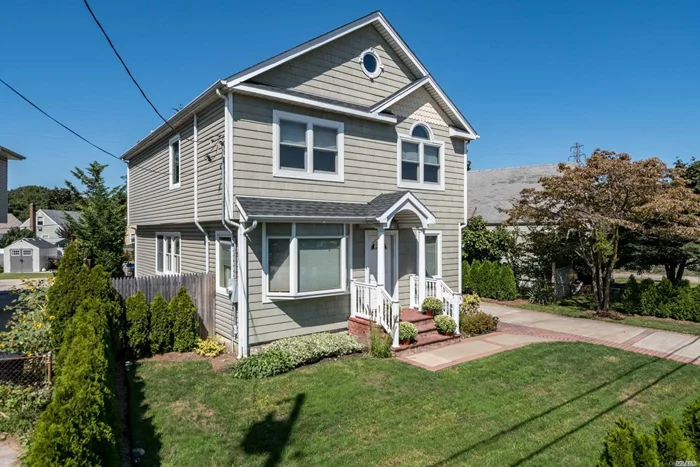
point(143, 432)
point(272, 436)
point(496, 437)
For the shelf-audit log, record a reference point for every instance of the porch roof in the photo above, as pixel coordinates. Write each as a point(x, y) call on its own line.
point(381, 209)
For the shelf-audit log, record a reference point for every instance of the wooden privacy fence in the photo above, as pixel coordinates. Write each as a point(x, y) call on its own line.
point(201, 287)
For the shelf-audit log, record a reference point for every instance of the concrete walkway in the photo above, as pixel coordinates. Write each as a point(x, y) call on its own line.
point(521, 327)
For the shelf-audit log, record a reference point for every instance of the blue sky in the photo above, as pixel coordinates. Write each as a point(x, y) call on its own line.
point(532, 77)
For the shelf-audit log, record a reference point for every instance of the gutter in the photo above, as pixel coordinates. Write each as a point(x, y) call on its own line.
point(462, 225)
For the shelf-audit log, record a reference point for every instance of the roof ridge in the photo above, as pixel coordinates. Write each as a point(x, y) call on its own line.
point(518, 167)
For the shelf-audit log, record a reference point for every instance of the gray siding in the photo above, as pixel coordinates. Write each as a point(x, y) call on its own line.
point(370, 169)
point(3, 191)
point(334, 71)
point(151, 201)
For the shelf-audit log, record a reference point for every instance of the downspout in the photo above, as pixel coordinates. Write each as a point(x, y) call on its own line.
point(463, 224)
point(196, 194)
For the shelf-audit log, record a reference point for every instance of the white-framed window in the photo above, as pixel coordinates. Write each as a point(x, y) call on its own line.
point(307, 147)
point(224, 261)
point(39, 220)
point(420, 159)
point(14, 252)
point(168, 253)
point(132, 238)
point(26, 252)
point(371, 63)
point(40, 229)
point(174, 157)
point(304, 260)
point(45, 236)
point(433, 253)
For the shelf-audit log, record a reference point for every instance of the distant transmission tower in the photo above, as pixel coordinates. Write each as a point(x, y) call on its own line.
point(577, 153)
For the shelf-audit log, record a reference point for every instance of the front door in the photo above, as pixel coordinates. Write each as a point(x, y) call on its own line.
point(390, 260)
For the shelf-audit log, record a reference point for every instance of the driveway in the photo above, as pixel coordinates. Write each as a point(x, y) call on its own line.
point(522, 327)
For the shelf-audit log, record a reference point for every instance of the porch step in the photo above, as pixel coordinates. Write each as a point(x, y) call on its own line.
point(426, 339)
point(414, 316)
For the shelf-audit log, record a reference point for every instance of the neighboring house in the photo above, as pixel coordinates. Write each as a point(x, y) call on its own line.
point(12, 221)
point(47, 222)
point(324, 182)
point(6, 155)
point(491, 191)
point(29, 255)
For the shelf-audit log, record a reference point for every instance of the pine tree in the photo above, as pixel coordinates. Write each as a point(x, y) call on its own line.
point(139, 323)
point(186, 323)
point(671, 444)
point(161, 335)
point(625, 447)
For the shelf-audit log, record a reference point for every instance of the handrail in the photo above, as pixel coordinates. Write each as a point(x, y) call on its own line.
point(436, 287)
point(373, 303)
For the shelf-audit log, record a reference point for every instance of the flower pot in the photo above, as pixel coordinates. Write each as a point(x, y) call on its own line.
point(429, 313)
point(405, 341)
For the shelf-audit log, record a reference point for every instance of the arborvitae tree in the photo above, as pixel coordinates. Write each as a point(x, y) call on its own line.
point(139, 323)
point(186, 322)
point(625, 447)
point(691, 424)
point(508, 289)
point(67, 292)
point(161, 336)
point(671, 443)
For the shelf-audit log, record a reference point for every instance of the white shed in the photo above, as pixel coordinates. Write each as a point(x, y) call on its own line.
point(29, 255)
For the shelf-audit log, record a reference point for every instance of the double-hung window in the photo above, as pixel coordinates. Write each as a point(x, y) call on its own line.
point(421, 160)
point(174, 156)
point(224, 261)
point(39, 220)
point(307, 147)
point(168, 253)
point(303, 259)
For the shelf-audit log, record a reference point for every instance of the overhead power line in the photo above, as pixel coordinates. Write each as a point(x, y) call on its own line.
point(69, 129)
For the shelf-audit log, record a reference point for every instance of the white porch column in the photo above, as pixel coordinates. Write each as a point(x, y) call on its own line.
point(421, 266)
point(380, 257)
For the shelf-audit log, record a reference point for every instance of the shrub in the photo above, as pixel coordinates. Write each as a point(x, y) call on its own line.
point(466, 282)
point(506, 289)
point(691, 424)
point(314, 347)
point(263, 365)
point(161, 336)
point(663, 300)
point(490, 279)
point(477, 323)
point(139, 323)
point(432, 305)
point(625, 447)
point(209, 347)
point(29, 329)
point(407, 331)
point(541, 293)
point(67, 292)
point(445, 324)
point(671, 444)
point(379, 343)
point(185, 321)
point(631, 296)
point(22, 406)
point(80, 425)
point(470, 303)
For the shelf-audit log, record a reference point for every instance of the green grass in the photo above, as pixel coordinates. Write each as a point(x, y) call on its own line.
point(25, 275)
point(540, 405)
point(575, 307)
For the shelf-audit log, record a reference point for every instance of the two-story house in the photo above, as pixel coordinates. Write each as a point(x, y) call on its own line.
point(326, 182)
point(47, 223)
point(6, 155)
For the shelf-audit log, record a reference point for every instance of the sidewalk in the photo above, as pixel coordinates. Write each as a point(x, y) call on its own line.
point(521, 327)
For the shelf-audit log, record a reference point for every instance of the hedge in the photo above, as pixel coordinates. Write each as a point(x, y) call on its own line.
point(489, 279)
point(185, 321)
point(138, 317)
point(81, 426)
point(161, 336)
point(662, 300)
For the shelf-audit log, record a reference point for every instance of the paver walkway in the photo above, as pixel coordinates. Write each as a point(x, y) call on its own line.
point(521, 327)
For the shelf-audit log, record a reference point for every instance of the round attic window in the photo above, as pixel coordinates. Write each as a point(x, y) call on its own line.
point(371, 64)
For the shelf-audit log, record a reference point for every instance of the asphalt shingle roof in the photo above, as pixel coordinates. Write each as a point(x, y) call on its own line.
point(37, 242)
point(59, 217)
point(488, 191)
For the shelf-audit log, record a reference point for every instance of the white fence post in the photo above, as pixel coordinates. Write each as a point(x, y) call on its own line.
point(395, 317)
point(353, 298)
point(412, 287)
point(456, 303)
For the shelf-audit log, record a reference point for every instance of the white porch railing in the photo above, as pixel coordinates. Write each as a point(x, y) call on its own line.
point(373, 303)
point(435, 287)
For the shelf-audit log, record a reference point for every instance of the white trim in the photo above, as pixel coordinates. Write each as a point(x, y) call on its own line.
point(225, 234)
point(431, 135)
point(420, 184)
point(15, 252)
point(228, 155)
point(313, 103)
point(171, 235)
point(385, 104)
point(408, 202)
point(380, 66)
point(170, 162)
point(307, 173)
point(293, 294)
point(395, 261)
point(438, 234)
point(461, 134)
point(128, 200)
point(242, 284)
point(452, 107)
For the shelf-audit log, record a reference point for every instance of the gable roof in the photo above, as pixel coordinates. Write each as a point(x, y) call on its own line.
point(9, 154)
point(56, 215)
point(240, 81)
point(489, 191)
point(12, 221)
point(37, 242)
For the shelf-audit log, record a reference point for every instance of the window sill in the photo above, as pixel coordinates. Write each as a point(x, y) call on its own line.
point(421, 186)
point(301, 296)
point(161, 273)
point(175, 186)
point(323, 177)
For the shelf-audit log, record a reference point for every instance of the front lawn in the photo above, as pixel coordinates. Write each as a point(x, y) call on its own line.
point(25, 275)
point(575, 307)
point(543, 404)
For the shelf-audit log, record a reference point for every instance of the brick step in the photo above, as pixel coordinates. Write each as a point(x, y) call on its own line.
point(424, 340)
point(426, 327)
point(414, 316)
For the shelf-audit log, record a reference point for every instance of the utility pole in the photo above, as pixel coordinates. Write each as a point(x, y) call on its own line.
point(577, 153)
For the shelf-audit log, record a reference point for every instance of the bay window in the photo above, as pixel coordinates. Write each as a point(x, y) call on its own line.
point(168, 253)
point(307, 147)
point(301, 259)
point(421, 160)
